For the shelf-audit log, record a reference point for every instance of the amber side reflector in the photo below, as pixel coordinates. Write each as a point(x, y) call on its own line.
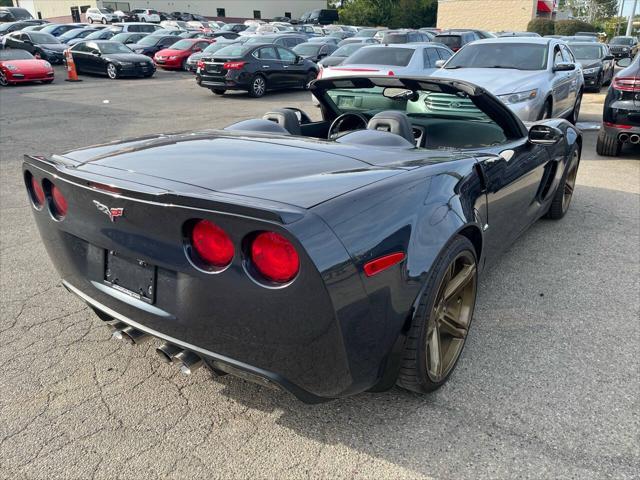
point(382, 263)
point(104, 187)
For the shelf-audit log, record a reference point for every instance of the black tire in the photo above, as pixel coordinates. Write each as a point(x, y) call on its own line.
point(218, 91)
point(3, 80)
point(103, 21)
point(599, 83)
point(414, 374)
point(143, 20)
point(311, 76)
point(564, 193)
point(184, 66)
point(575, 112)
point(608, 145)
point(547, 110)
point(91, 20)
point(257, 86)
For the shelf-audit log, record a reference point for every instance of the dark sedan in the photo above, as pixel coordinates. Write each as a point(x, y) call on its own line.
point(6, 28)
point(152, 44)
point(112, 59)
point(254, 68)
point(58, 29)
point(327, 257)
point(76, 34)
point(128, 38)
point(101, 34)
point(621, 112)
point(288, 40)
point(39, 44)
point(338, 56)
point(315, 51)
point(596, 61)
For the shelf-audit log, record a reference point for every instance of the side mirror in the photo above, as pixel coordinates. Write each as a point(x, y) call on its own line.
point(299, 59)
point(440, 63)
point(608, 57)
point(544, 135)
point(624, 62)
point(564, 67)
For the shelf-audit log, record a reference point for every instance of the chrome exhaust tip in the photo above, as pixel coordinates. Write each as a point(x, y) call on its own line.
point(635, 138)
point(623, 137)
point(130, 335)
point(189, 361)
point(167, 351)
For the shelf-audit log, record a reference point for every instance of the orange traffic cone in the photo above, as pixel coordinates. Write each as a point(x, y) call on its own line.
point(72, 75)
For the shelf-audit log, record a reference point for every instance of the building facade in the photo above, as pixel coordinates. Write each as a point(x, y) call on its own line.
point(229, 10)
point(495, 16)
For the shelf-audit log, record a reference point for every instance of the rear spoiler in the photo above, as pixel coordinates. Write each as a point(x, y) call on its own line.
point(136, 188)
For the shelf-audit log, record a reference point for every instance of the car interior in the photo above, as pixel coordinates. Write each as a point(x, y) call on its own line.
point(389, 117)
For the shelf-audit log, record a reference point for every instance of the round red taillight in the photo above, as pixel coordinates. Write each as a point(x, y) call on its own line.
point(212, 244)
point(59, 202)
point(38, 192)
point(275, 257)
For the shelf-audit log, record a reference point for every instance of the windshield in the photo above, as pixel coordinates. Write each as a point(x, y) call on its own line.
point(451, 41)
point(622, 41)
point(214, 47)
point(11, 54)
point(305, 49)
point(150, 40)
point(70, 34)
point(20, 13)
point(113, 47)
point(260, 39)
point(105, 10)
point(518, 56)
point(39, 37)
point(232, 51)
point(228, 27)
point(182, 45)
point(393, 56)
point(100, 35)
point(586, 52)
point(347, 49)
point(366, 33)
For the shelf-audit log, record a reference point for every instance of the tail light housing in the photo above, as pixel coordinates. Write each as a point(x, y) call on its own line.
point(59, 204)
point(233, 65)
point(212, 248)
point(274, 257)
point(35, 191)
point(627, 84)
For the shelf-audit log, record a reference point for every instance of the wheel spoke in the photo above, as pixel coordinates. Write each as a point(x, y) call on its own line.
point(435, 352)
point(457, 283)
point(452, 326)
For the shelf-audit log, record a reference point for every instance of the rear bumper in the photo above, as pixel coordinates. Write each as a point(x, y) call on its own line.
point(221, 362)
point(226, 82)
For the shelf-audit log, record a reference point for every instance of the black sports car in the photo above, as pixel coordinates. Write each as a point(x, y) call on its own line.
point(621, 110)
point(152, 44)
point(112, 59)
point(327, 258)
point(596, 61)
point(42, 45)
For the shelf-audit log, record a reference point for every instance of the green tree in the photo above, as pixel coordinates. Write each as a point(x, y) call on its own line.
point(389, 13)
point(6, 3)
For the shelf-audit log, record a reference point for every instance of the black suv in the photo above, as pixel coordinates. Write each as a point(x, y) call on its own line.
point(14, 14)
point(621, 114)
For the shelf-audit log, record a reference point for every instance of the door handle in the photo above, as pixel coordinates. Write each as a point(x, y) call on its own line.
point(266, 66)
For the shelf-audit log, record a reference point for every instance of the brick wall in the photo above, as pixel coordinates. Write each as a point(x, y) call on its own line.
point(492, 15)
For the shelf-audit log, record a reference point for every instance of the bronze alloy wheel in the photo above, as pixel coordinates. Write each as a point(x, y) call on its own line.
point(570, 181)
point(450, 317)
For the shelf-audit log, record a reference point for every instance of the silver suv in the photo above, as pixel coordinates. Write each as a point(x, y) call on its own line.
point(536, 77)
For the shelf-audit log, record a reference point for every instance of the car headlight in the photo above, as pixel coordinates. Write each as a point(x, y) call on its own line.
point(124, 64)
point(519, 96)
point(588, 71)
point(13, 68)
point(625, 49)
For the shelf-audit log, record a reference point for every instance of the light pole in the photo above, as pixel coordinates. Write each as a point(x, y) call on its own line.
point(630, 22)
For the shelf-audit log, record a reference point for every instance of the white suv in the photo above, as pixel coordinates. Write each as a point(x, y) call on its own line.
point(146, 15)
point(100, 15)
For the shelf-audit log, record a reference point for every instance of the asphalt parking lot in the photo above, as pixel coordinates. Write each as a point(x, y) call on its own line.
point(547, 386)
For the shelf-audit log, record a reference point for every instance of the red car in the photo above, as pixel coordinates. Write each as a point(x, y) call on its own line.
point(19, 66)
point(175, 57)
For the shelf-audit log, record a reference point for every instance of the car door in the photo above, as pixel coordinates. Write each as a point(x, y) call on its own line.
point(93, 62)
point(560, 83)
point(295, 73)
point(15, 40)
point(515, 188)
point(575, 77)
point(268, 63)
point(430, 57)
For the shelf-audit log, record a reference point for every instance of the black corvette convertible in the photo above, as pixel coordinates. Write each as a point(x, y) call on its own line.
point(327, 258)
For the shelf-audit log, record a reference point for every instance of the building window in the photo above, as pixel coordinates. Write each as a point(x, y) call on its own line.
point(288, 14)
point(40, 15)
point(221, 12)
point(256, 14)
